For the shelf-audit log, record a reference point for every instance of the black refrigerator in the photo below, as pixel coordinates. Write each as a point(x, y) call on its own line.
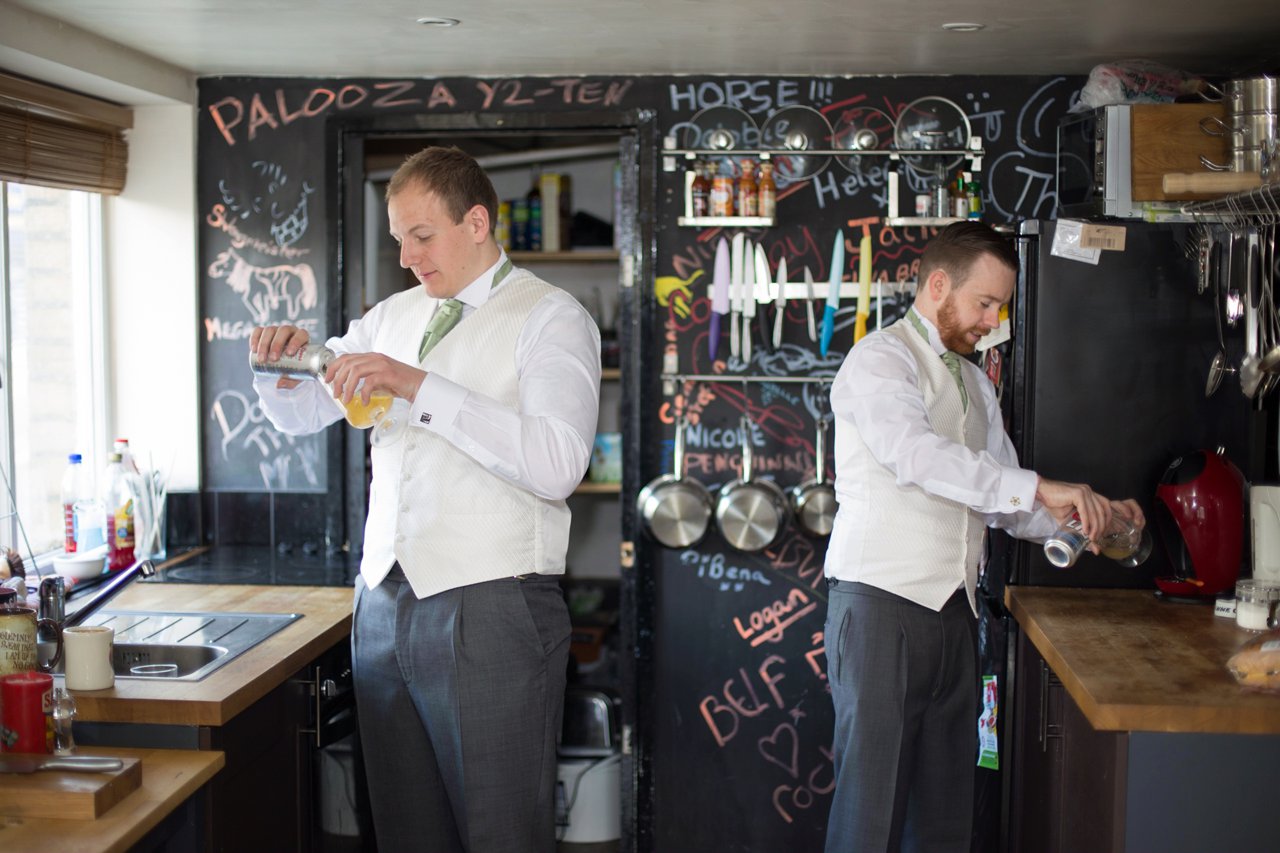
point(1104, 383)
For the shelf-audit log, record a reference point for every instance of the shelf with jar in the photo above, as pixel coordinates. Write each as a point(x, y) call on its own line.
point(711, 199)
point(936, 213)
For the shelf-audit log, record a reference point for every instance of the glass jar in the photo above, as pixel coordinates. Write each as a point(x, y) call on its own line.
point(1121, 541)
point(1255, 604)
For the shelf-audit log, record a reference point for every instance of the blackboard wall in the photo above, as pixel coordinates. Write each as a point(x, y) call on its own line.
point(731, 715)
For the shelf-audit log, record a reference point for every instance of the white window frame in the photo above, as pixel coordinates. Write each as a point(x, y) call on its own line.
point(91, 359)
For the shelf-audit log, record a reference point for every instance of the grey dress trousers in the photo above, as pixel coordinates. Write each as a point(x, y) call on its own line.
point(460, 699)
point(905, 684)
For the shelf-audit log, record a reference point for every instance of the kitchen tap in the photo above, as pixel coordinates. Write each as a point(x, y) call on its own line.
point(53, 599)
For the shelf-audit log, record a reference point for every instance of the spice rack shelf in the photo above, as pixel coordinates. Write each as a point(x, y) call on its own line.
point(671, 155)
point(726, 221)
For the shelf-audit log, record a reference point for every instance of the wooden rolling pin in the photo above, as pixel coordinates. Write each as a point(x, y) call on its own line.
point(1210, 182)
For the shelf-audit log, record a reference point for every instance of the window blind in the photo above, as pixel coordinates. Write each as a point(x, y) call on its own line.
point(54, 138)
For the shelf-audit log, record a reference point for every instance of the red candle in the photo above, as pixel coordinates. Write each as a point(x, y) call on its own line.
point(27, 702)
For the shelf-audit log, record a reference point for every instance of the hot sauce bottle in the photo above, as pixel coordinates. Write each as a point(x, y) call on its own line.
point(700, 192)
point(748, 198)
point(721, 193)
point(767, 191)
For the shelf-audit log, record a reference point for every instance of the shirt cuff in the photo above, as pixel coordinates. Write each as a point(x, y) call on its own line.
point(1017, 490)
point(438, 402)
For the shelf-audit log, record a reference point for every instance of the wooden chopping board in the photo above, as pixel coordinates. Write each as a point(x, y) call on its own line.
point(67, 794)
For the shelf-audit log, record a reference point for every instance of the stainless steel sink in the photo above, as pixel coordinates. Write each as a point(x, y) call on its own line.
point(183, 646)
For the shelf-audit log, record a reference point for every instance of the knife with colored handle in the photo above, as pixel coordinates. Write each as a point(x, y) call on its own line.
point(17, 763)
point(833, 293)
point(748, 298)
point(735, 289)
point(780, 303)
point(764, 297)
point(864, 292)
point(808, 304)
point(719, 295)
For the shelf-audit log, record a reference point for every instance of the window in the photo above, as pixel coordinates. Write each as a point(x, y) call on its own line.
point(51, 355)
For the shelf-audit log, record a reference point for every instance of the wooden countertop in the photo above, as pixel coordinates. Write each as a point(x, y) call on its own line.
point(169, 776)
point(1135, 663)
point(234, 686)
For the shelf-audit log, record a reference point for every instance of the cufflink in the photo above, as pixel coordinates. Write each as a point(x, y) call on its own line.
point(1015, 500)
point(425, 417)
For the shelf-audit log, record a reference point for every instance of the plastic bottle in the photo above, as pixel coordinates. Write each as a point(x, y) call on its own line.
point(77, 483)
point(120, 501)
point(143, 510)
point(535, 218)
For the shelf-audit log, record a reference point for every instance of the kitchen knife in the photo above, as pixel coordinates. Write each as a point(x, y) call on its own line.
point(864, 291)
point(833, 293)
point(748, 298)
point(808, 304)
point(19, 763)
point(780, 303)
point(735, 288)
point(764, 297)
point(719, 295)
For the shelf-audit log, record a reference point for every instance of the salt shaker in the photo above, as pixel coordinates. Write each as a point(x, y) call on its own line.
point(64, 714)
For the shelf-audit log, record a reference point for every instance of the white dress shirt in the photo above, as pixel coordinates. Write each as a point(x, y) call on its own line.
point(877, 389)
point(540, 446)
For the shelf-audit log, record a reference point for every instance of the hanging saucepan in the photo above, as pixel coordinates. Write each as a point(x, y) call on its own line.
point(814, 501)
point(751, 513)
point(674, 509)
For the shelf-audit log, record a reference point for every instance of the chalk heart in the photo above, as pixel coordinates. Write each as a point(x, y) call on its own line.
point(782, 748)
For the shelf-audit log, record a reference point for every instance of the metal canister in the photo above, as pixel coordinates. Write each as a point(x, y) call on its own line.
point(310, 362)
point(1067, 543)
point(941, 200)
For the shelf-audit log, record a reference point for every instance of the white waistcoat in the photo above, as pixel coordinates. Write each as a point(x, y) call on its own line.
point(447, 520)
point(918, 545)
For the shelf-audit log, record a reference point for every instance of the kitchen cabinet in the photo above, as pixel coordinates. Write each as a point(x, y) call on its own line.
point(1128, 734)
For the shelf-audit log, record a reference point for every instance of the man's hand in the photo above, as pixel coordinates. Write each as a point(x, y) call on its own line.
point(1062, 499)
point(271, 342)
point(377, 372)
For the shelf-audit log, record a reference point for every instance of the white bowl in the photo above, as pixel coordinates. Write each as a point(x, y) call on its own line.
point(80, 566)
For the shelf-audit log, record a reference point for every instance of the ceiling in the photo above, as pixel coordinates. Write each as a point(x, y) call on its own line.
point(747, 37)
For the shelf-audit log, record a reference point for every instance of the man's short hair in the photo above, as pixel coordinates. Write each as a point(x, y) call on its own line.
point(959, 245)
point(453, 176)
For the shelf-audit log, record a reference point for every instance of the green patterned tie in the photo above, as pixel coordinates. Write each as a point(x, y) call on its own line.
point(952, 361)
point(449, 313)
point(949, 358)
point(445, 318)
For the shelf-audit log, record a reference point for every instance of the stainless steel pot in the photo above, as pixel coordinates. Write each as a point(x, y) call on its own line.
point(814, 501)
point(751, 513)
point(675, 510)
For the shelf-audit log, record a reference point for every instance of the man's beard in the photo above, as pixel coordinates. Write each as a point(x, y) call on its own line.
point(953, 336)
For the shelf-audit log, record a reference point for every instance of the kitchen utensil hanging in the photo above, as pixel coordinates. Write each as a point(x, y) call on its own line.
point(751, 513)
point(932, 124)
point(814, 501)
point(676, 510)
point(727, 129)
point(796, 129)
point(861, 129)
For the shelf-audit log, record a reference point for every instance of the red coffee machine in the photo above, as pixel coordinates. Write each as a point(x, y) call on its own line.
point(1200, 518)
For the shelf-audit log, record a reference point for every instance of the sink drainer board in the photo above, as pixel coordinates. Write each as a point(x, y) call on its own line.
point(183, 646)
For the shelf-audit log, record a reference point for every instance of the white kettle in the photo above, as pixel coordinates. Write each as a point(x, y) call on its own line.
point(1264, 512)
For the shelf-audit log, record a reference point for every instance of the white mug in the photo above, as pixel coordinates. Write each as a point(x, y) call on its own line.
point(87, 657)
